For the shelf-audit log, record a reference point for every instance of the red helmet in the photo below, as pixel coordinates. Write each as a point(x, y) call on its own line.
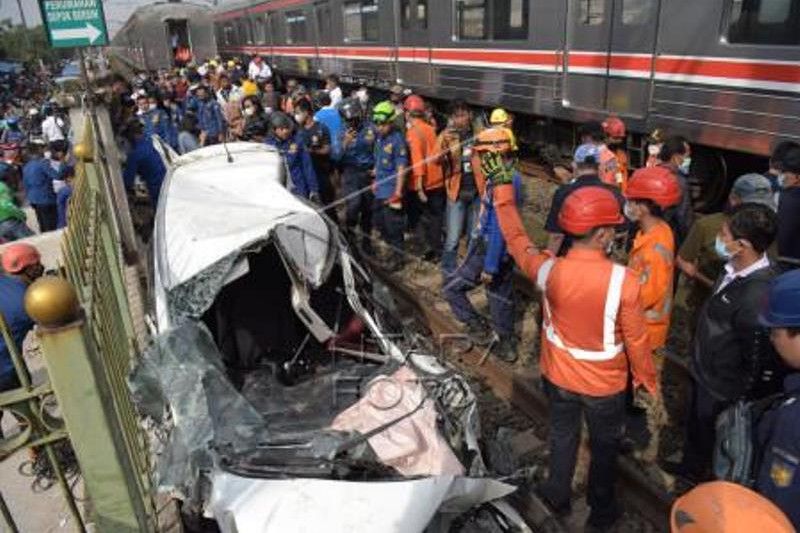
point(658, 184)
point(18, 257)
point(588, 208)
point(614, 127)
point(414, 104)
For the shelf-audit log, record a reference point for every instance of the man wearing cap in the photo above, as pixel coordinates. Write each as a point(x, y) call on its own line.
point(779, 430)
point(396, 96)
point(697, 259)
point(22, 266)
point(585, 171)
point(731, 358)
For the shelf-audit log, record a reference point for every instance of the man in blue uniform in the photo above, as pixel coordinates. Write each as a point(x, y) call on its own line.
point(37, 178)
point(209, 118)
point(144, 161)
point(154, 120)
point(22, 266)
point(391, 162)
point(487, 261)
point(302, 178)
point(779, 430)
point(357, 161)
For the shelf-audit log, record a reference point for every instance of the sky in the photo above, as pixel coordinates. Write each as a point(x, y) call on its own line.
point(117, 11)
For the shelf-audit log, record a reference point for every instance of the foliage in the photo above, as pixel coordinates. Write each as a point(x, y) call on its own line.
point(28, 45)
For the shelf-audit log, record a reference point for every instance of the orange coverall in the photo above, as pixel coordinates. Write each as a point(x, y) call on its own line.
point(613, 167)
point(653, 259)
point(425, 168)
point(584, 350)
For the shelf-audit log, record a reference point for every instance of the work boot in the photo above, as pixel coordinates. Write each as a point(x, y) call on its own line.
point(506, 348)
point(479, 332)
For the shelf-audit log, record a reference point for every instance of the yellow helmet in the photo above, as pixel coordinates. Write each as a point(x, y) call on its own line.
point(498, 117)
point(231, 63)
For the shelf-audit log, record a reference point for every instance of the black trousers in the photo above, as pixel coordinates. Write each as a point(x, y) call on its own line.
point(604, 416)
point(698, 446)
point(432, 220)
point(47, 216)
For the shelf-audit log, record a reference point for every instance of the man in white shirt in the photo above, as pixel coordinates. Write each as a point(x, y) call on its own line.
point(52, 127)
point(258, 69)
point(334, 91)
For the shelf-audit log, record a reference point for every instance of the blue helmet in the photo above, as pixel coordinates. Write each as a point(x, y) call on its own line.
point(587, 154)
point(12, 121)
point(783, 305)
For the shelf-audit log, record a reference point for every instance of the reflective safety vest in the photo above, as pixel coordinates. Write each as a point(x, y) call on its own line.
point(610, 171)
point(611, 348)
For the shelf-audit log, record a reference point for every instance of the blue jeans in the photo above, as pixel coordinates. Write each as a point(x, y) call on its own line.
point(460, 219)
point(13, 229)
point(500, 291)
point(604, 416)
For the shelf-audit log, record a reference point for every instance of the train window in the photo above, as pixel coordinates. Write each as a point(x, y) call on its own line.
point(500, 20)
point(405, 14)
point(636, 12)
point(361, 21)
point(471, 15)
point(296, 25)
point(592, 12)
point(764, 22)
point(324, 23)
point(274, 27)
point(422, 13)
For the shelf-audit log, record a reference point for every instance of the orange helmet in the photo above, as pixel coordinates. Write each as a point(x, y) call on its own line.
point(588, 208)
point(414, 104)
point(493, 140)
point(614, 127)
point(724, 506)
point(18, 257)
point(658, 184)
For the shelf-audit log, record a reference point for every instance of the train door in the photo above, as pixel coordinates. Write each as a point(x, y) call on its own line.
point(413, 46)
point(179, 42)
point(608, 55)
point(632, 44)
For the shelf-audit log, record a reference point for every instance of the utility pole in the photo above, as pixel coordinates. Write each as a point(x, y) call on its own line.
point(22, 14)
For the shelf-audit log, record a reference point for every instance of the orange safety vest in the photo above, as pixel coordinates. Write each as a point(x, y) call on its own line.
point(609, 167)
point(593, 330)
point(653, 259)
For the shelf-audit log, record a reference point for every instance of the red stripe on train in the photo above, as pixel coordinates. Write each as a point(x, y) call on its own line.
point(729, 69)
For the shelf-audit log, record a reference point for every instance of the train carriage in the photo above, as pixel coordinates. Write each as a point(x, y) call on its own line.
point(166, 34)
point(726, 73)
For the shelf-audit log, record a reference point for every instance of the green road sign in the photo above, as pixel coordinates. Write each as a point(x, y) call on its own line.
point(73, 23)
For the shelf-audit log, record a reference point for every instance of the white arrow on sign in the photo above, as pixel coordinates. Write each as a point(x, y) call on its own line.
point(89, 32)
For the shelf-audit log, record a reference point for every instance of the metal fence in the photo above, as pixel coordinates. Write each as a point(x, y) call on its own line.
point(89, 356)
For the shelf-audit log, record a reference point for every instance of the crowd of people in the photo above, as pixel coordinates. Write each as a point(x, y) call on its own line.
point(447, 189)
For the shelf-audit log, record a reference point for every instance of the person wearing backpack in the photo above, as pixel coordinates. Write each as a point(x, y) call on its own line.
point(731, 356)
point(778, 477)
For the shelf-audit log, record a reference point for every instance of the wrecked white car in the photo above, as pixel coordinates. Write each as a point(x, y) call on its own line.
point(293, 393)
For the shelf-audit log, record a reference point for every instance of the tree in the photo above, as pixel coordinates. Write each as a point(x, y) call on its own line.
point(29, 45)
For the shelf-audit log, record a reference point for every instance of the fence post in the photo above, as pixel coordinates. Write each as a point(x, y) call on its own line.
point(87, 406)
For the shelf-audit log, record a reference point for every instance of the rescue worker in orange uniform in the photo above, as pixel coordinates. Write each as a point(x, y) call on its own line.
point(593, 332)
point(609, 170)
point(725, 507)
point(650, 192)
point(615, 132)
point(428, 199)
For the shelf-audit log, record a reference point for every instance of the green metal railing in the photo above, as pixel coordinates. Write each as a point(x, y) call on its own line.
point(89, 352)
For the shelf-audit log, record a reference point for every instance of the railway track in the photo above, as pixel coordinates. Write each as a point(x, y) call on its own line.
point(518, 388)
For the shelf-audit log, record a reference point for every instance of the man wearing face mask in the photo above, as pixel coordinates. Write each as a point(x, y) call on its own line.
point(697, 258)
point(357, 140)
point(789, 210)
point(153, 119)
point(317, 141)
point(588, 352)
point(676, 155)
point(731, 355)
